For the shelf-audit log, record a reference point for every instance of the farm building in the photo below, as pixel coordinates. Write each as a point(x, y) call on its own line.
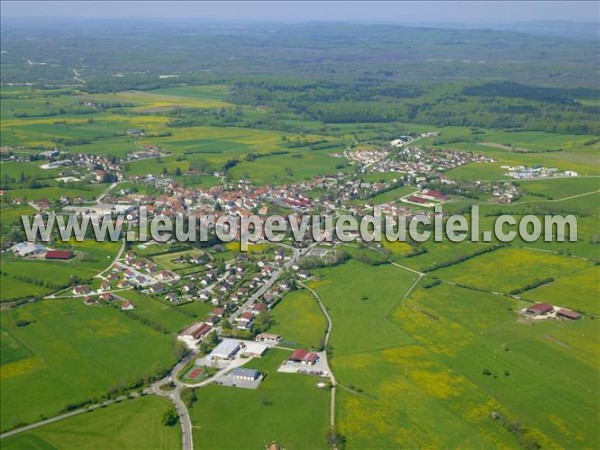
point(540, 309)
point(254, 349)
point(59, 254)
point(415, 199)
point(245, 374)
point(303, 357)
point(568, 314)
point(24, 249)
point(434, 195)
point(226, 349)
point(195, 332)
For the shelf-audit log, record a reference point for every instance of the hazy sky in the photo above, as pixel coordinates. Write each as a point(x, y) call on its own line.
point(402, 12)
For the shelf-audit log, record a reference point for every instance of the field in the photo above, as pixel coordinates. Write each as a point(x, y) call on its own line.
point(172, 318)
point(283, 409)
point(166, 260)
point(299, 320)
point(61, 352)
point(17, 273)
point(534, 380)
point(134, 424)
point(508, 269)
point(359, 312)
point(575, 291)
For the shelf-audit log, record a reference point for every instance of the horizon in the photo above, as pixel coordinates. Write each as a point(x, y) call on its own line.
point(401, 13)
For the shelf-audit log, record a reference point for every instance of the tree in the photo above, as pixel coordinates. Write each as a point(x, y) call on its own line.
point(170, 417)
point(263, 321)
point(204, 348)
point(178, 171)
point(188, 397)
point(212, 339)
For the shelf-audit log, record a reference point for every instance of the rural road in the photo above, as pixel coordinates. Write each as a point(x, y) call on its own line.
point(187, 438)
point(325, 345)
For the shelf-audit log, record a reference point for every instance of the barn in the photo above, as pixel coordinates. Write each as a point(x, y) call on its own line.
point(540, 309)
point(568, 314)
point(59, 254)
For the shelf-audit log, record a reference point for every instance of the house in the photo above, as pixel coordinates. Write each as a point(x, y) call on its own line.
point(172, 297)
point(127, 306)
point(107, 296)
point(89, 301)
point(226, 349)
point(157, 289)
point(268, 337)
point(123, 284)
point(303, 357)
point(112, 276)
point(24, 249)
point(540, 309)
point(105, 285)
point(81, 290)
point(166, 275)
point(568, 314)
point(258, 308)
point(59, 254)
point(241, 373)
point(244, 321)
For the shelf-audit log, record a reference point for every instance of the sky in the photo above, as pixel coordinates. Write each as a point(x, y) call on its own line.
point(467, 12)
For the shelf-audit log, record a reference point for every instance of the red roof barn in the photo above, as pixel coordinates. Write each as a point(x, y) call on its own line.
point(303, 356)
point(59, 254)
point(568, 314)
point(540, 308)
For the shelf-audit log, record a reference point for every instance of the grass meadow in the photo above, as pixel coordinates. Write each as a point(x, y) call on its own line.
point(511, 268)
point(360, 312)
point(68, 352)
point(134, 424)
point(299, 320)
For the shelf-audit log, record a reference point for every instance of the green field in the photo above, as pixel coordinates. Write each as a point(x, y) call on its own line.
point(457, 334)
point(360, 313)
point(575, 291)
point(286, 408)
point(134, 425)
point(158, 311)
point(68, 352)
point(166, 260)
point(299, 320)
point(23, 277)
point(511, 268)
